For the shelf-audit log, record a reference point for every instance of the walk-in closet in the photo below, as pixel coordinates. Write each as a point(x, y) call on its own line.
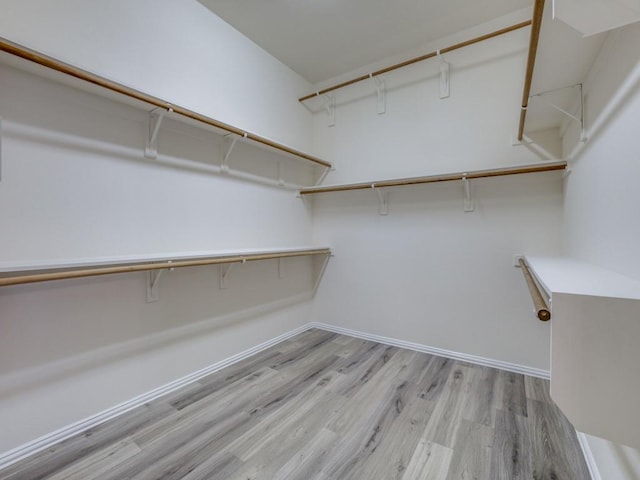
point(339, 240)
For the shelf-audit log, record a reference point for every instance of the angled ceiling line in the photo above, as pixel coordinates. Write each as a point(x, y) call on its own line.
point(417, 59)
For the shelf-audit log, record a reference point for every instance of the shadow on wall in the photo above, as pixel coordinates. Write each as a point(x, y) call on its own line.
point(53, 330)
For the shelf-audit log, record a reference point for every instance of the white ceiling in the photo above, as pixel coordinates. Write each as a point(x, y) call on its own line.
point(320, 39)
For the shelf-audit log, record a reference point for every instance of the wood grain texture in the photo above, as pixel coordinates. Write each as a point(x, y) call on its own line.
point(472, 452)
point(429, 460)
point(511, 393)
point(511, 452)
point(555, 452)
point(322, 406)
point(448, 414)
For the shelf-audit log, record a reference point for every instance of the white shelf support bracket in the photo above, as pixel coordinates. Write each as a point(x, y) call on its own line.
point(383, 200)
point(320, 274)
point(281, 181)
point(225, 272)
point(323, 175)
point(445, 79)
point(382, 94)
point(153, 280)
point(228, 143)
point(579, 118)
point(516, 259)
point(155, 120)
point(330, 107)
point(583, 135)
point(468, 199)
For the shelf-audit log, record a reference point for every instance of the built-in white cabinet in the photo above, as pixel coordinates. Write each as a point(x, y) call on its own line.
point(595, 346)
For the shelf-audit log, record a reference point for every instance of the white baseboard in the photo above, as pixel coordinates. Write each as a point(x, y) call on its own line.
point(46, 441)
point(487, 362)
point(588, 456)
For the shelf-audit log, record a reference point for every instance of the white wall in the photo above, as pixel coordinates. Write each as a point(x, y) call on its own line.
point(614, 461)
point(75, 184)
point(428, 272)
point(602, 225)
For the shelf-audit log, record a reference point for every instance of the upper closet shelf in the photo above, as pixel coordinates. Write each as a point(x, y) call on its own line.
point(445, 177)
point(161, 108)
point(594, 346)
point(426, 56)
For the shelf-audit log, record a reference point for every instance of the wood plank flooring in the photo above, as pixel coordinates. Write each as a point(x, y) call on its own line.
point(323, 406)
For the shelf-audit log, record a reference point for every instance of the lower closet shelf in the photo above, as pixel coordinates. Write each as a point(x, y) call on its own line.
point(18, 274)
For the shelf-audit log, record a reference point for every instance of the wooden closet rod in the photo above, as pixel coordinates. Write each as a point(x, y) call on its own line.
point(542, 310)
point(447, 177)
point(538, 10)
point(417, 59)
point(162, 265)
point(57, 65)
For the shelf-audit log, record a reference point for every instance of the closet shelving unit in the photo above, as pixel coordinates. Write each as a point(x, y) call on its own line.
point(446, 177)
point(25, 273)
point(18, 274)
point(49, 67)
point(159, 109)
point(535, 23)
point(381, 186)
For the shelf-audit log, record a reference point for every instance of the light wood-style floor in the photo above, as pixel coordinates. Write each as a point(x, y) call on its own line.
point(326, 406)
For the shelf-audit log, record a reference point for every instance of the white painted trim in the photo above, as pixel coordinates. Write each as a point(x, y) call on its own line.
point(12, 456)
point(487, 362)
point(588, 456)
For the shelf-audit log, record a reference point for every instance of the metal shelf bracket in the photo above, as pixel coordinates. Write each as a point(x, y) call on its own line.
point(468, 199)
point(323, 175)
point(383, 200)
point(155, 120)
point(153, 280)
point(228, 143)
point(382, 94)
point(281, 269)
point(577, 118)
point(225, 272)
point(330, 107)
point(281, 181)
point(445, 79)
